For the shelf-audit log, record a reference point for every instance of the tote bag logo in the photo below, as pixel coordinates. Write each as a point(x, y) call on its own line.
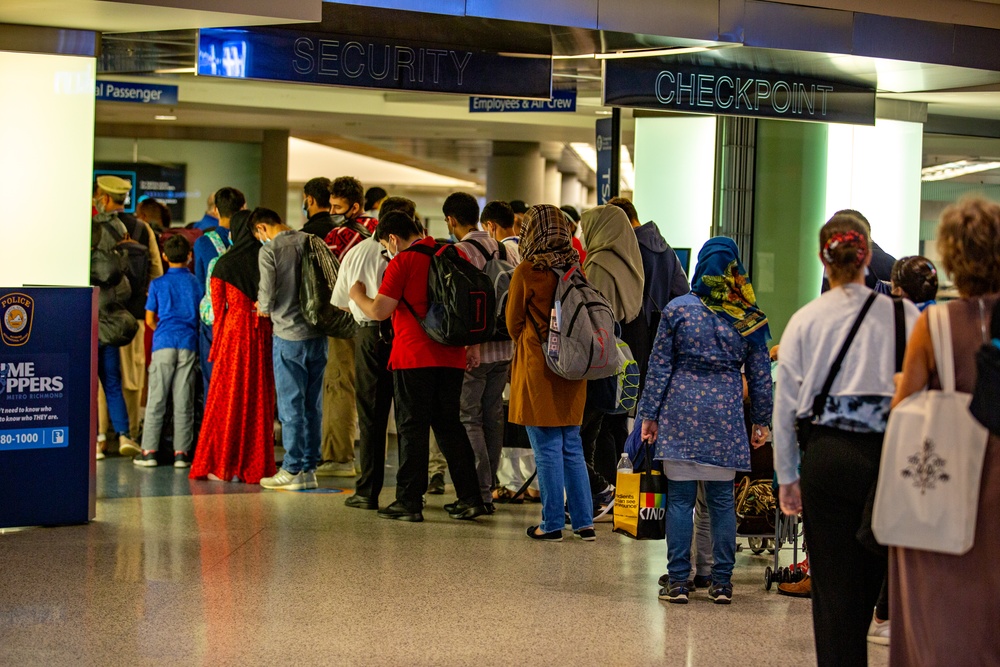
point(18, 311)
point(926, 468)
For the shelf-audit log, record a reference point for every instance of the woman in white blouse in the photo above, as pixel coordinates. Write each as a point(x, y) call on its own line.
point(844, 444)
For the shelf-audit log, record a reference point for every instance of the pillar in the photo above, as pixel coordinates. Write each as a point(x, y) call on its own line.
point(553, 184)
point(46, 141)
point(571, 191)
point(274, 171)
point(516, 170)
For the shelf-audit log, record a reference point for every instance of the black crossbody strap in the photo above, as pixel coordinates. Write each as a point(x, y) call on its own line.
point(900, 317)
point(819, 403)
point(487, 255)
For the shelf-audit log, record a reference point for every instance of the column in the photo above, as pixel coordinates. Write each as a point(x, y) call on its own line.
point(516, 170)
point(572, 191)
point(274, 171)
point(553, 184)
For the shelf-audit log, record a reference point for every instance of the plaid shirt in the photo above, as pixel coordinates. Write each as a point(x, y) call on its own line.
point(343, 238)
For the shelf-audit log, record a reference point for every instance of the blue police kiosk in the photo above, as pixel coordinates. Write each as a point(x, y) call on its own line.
point(48, 405)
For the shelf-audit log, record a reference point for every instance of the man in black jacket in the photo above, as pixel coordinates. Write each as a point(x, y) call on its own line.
point(316, 205)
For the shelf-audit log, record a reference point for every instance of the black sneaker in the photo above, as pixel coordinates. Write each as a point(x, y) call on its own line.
point(436, 486)
point(721, 593)
point(146, 458)
point(675, 593)
point(586, 534)
point(464, 511)
point(182, 460)
point(703, 581)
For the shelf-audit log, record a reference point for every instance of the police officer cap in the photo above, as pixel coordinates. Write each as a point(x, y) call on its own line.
point(114, 185)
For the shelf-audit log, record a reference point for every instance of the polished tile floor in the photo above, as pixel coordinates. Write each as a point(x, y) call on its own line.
point(175, 572)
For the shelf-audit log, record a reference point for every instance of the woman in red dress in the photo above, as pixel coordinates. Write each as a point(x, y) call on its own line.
point(237, 433)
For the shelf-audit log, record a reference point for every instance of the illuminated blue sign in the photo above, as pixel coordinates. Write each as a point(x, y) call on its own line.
point(136, 93)
point(604, 158)
point(563, 101)
point(654, 85)
point(275, 54)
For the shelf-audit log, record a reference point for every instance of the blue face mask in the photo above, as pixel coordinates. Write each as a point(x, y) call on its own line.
point(305, 209)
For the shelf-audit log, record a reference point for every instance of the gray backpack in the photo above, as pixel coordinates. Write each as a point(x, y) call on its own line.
point(499, 269)
point(582, 345)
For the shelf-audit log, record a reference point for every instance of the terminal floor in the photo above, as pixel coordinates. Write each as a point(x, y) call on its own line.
point(174, 572)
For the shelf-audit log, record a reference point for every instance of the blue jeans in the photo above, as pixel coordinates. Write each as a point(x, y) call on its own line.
point(680, 525)
point(299, 366)
point(109, 372)
point(561, 467)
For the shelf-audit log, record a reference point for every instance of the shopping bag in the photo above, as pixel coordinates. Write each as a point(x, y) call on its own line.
point(641, 502)
point(932, 461)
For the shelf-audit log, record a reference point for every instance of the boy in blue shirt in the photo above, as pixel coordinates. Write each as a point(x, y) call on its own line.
point(172, 314)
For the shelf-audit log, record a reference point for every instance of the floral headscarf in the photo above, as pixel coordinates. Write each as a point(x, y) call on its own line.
point(720, 281)
point(547, 239)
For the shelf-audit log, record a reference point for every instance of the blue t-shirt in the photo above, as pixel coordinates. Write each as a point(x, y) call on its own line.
point(174, 298)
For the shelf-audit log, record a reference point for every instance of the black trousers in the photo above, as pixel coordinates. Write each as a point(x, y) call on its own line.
point(603, 438)
point(838, 471)
point(430, 398)
point(373, 386)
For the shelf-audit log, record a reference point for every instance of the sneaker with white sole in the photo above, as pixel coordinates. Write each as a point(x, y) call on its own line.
point(128, 447)
point(675, 593)
point(182, 460)
point(309, 478)
point(286, 480)
point(334, 469)
point(146, 459)
point(100, 452)
point(878, 632)
point(604, 505)
point(721, 593)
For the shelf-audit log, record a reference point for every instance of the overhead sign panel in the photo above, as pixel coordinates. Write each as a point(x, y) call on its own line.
point(136, 93)
point(563, 101)
point(653, 85)
point(274, 54)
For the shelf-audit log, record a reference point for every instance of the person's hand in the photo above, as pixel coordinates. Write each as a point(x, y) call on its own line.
point(472, 357)
point(358, 289)
point(759, 436)
point(774, 353)
point(896, 379)
point(649, 430)
point(790, 498)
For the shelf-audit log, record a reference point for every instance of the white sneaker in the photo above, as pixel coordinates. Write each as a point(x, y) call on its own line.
point(128, 447)
point(100, 452)
point(286, 480)
point(310, 480)
point(878, 632)
point(332, 469)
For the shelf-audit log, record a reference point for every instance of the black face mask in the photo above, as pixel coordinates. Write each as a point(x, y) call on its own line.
point(338, 219)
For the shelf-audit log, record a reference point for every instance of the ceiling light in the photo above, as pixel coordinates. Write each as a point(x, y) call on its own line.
point(943, 172)
point(165, 117)
point(582, 56)
point(651, 53)
point(586, 153)
point(588, 156)
point(176, 70)
point(582, 77)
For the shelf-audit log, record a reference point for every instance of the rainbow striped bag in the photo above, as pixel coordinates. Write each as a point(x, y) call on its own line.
point(641, 502)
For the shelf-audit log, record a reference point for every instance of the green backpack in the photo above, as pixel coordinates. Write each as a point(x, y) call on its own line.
point(205, 307)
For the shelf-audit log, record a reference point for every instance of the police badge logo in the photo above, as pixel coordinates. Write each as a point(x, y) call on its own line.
point(18, 311)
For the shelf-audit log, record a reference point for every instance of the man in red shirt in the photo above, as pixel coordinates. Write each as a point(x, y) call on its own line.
point(428, 377)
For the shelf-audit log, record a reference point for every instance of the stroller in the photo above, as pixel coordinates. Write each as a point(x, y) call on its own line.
point(787, 531)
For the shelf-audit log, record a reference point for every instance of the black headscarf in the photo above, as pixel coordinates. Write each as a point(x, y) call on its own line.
point(238, 266)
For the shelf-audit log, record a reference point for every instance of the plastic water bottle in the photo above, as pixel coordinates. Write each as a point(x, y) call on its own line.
point(625, 464)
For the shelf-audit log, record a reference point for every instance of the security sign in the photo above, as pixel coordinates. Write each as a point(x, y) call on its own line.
point(18, 311)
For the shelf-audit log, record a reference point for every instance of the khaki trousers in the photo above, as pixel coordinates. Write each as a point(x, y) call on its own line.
point(340, 414)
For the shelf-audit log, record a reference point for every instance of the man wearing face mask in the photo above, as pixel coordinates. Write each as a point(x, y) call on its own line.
point(347, 200)
point(316, 206)
point(366, 263)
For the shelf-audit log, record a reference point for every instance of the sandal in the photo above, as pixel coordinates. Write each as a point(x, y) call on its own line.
point(503, 495)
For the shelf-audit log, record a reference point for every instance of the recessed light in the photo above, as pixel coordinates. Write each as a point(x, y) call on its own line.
point(164, 117)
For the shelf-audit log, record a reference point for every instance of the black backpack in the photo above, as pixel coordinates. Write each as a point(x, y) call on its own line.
point(500, 271)
point(136, 265)
point(319, 275)
point(461, 301)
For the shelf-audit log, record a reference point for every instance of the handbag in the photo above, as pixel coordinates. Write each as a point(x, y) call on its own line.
point(986, 395)
point(641, 502)
point(932, 462)
point(803, 425)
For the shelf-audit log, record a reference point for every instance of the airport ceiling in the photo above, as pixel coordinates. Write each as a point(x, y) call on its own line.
point(435, 131)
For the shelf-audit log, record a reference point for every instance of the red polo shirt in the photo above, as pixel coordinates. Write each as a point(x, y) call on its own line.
point(406, 278)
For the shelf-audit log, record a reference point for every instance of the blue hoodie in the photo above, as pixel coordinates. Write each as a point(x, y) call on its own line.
point(665, 279)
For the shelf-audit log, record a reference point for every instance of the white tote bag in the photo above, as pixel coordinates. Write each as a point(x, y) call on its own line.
point(932, 462)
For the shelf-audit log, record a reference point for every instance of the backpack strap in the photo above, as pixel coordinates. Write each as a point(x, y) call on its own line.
point(217, 243)
point(819, 403)
point(481, 248)
point(423, 249)
point(115, 234)
point(359, 228)
point(900, 319)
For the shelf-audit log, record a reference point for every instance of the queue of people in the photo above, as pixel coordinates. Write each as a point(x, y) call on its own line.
point(706, 399)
